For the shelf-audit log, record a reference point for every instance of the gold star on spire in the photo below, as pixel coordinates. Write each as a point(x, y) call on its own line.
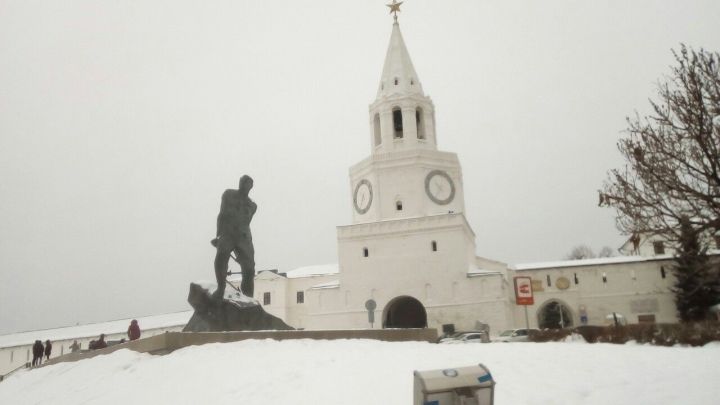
point(394, 8)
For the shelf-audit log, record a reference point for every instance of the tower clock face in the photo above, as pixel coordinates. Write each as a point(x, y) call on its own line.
point(362, 198)
point(439, 187)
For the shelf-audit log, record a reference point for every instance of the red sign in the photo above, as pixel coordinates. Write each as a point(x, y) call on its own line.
point(523, 291)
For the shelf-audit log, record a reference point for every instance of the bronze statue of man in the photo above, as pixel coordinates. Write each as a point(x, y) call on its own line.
point(233, 235)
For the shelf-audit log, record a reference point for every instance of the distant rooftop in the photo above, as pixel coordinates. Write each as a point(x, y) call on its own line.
point(599, 261)
point(324, 286)
point(316, 270)
point(586, 262)
point(94, 329)
point(474, 271)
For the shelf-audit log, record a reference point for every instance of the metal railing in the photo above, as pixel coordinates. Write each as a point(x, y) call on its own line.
point(3, 376)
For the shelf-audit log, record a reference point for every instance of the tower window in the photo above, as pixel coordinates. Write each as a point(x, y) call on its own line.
point(398, 205)
point(419, 124)
point(376, 130)
point(604, 277)
point(548, 281)
point(366, 253)
point(662, 272)
point(659, 247)
point(397, 123)
point(412, 82)
point(266, 298)
point(397, 81)
point(300, 297)
point(576, 278)
point(434, 246)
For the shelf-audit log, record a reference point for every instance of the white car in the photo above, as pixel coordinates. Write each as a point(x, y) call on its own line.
point(515, 335)
point(466, 337)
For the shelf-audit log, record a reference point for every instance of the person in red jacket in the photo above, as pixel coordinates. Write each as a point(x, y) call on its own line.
point(133, 331)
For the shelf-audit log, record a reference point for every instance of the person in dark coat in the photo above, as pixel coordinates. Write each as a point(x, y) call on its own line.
point(48, 349)
point(37, 353)
point(133, 331)
point(100, 343)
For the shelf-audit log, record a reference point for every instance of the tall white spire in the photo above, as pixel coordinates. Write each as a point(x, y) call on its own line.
point(398, 76)
point(402, 117)
point(406, 176)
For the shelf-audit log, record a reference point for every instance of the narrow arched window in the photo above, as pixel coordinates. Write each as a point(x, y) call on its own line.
point(419, 123)
point(398, 205)
point(434, 246)
point(366, 253)
point(376, 130)
point(397, 123)
point(397, 81)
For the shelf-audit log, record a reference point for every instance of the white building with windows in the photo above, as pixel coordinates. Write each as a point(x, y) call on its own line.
point(410, 249)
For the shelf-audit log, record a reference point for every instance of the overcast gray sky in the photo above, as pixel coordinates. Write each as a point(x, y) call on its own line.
point(121, 123)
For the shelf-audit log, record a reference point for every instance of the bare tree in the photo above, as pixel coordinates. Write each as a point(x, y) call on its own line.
point(673, 155)
point(697, 283)
point(606, 251)
point(580, 252)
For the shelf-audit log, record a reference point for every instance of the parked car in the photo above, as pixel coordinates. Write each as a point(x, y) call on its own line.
point(466, 337)
point(515, 335)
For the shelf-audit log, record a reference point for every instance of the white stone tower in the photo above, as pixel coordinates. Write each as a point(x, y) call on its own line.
point(405, 175)
point(409, 247)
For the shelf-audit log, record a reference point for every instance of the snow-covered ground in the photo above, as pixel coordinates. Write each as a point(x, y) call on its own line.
point(362, 372)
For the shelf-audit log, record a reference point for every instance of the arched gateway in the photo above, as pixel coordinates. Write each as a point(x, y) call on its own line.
point(404, 312)
point(554, 314)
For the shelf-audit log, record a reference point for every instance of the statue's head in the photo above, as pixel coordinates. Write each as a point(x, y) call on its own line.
point(246, 183)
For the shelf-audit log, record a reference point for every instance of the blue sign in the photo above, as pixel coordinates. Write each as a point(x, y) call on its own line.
point(485, 378)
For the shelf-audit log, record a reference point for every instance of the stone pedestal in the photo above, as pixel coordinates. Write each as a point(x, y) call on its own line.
point(235, 312)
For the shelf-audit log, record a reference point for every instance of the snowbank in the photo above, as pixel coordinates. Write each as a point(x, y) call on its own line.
point(362, 372)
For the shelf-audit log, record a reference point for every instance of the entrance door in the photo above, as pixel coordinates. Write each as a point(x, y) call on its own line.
point(404, 312)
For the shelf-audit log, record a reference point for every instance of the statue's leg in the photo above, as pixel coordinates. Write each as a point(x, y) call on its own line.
point(221, 265)
point(246, 257)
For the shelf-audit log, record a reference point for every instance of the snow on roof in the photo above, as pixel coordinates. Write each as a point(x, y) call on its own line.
point(323, 286)
point(95, 329)
point(587, 262)
point(316, 270)
point(478, 272)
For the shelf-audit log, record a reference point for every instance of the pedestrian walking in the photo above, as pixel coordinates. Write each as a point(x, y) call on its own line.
point(48, 349)
point(37, 350)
